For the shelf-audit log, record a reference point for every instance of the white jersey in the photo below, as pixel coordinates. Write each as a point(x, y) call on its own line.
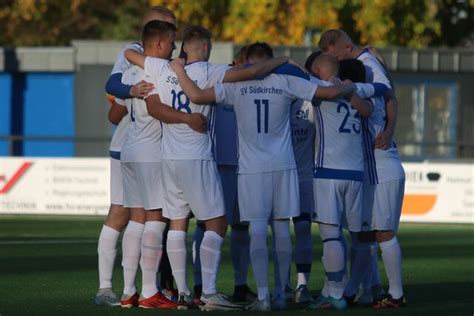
point(118, 137)
point(338, 141)
point(179, 141)
point(143, 138)
point(120, 66)
point(380, 165)
point(262, 108)
point(121, 63)
point(302, 136)
point(225, 135)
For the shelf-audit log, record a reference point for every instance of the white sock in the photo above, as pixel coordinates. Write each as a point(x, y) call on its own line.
point(210, 257)
point(333, 259)
point(282, 250)
point(303, 251)
point(240, 253)
point(176, 247)
point(152, 249)
point(197, 240)
point(392, 259)
point(106, 250)
point(259, 257)
point(361, 264)
point(131, 241)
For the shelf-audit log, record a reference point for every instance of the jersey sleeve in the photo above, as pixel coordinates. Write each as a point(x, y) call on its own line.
point(215, 74)
point(225, 93)
point(377, 72)
point(153, 68)
point(301, 88)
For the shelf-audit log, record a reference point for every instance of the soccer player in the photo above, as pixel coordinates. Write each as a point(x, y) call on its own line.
point(141, 168)
point(225, 153)
point(303, 132)
point(118, 216)
point(267, 180)
point(191, 180)
point(384, 188)
point(337, 179)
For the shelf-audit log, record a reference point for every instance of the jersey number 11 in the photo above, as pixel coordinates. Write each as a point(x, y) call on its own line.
point(259, 103)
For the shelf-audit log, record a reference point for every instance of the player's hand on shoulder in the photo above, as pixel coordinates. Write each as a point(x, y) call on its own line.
point(177, 64)
point(335, 81)
point(197, 122)
point(383, 140)
point(141, 89)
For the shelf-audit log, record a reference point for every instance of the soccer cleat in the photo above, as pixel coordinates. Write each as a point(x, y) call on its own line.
point(170, 294)
point(279, 303)
point(389, 302)
point(325, 302)
point(242, 293)
point(157, 301)
point(260, 305)
point(129, 301)
point(185, 302)
point(351, 301)
point(217, 302)
point(302, 295)
point(106, 297)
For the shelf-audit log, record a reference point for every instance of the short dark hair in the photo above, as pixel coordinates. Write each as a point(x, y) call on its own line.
point(352, 69)
point(310, 60)
point(259, 50)
point(196, 32)
point(163, 11)
point(155, 29)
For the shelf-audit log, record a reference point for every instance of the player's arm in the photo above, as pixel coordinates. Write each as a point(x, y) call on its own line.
point(116, 112)
point(256, 70)
point(166, 114)
point(192, 91)
point(135, 58)
point(333, 92)
point(365, 108)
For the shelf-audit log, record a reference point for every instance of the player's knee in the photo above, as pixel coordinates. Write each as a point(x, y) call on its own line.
point(383, 236)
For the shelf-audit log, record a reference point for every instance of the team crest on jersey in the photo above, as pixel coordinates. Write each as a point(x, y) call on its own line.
point(302, 114)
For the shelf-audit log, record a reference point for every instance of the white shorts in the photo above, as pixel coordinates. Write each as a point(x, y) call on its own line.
point(192, 185)
point(382, 204)
point(306, 196)
point(116, 183)
point(142, 185)
point(228, 176)
point(262, 193)
point(338, 202)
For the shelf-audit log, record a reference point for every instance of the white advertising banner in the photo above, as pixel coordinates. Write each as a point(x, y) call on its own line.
point(434, 192)
point(439, 192)
point(54, 186)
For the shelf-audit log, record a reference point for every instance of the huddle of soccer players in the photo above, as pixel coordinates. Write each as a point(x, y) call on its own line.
point(310, 148)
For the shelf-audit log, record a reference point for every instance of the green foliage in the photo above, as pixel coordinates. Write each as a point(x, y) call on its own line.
point(381, 23)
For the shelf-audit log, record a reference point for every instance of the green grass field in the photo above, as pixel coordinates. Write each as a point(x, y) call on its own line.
point(48, 266)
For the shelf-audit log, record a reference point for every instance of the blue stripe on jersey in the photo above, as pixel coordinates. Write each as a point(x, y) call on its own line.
point(367, 148)
point(379, 88)
point(115, 154)
point(291, 70)
point(115, 87)
point(319, 135)
point(339, 174)
point(321, 142)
